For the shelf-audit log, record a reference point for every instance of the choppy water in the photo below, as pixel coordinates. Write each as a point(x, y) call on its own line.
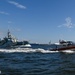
point(36, 62)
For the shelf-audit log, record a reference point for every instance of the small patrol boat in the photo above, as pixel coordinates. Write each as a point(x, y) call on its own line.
point(64, 45)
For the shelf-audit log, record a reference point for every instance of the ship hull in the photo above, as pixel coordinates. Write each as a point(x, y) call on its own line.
point(64, 48)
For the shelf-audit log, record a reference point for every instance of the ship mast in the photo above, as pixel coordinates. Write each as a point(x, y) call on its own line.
point(8, 34)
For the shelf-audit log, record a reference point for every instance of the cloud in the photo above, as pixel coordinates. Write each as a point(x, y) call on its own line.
point(1, 12)
point(68, 23)
point(17, 4)
point(9, 22)
point(18, 29)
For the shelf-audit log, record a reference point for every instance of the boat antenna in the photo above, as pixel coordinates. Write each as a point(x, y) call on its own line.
point(8, 34)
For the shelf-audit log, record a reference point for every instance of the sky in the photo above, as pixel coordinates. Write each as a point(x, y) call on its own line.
point(38, 21)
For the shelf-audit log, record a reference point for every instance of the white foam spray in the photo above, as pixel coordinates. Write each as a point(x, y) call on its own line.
point(30, 50)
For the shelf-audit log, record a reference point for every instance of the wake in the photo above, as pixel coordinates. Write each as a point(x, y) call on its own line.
point(30, 50)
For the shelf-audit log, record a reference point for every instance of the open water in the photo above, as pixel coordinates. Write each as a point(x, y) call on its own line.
point(36, 61)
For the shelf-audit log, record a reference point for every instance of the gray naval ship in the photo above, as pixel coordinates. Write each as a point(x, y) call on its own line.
point(11, 42)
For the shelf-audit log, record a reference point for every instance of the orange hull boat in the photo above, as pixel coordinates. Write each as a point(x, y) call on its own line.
point(65, 48)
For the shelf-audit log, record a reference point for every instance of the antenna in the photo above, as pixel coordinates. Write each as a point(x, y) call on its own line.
point(50, 42)
point(8, 34)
